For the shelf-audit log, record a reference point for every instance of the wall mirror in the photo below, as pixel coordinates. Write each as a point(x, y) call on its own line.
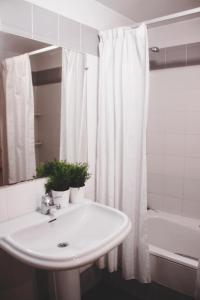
point(30, 106)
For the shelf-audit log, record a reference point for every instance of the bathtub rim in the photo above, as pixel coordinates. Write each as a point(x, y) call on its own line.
point(176, 258)
point(165, 254)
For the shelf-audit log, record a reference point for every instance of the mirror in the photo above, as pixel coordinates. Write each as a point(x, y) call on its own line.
point(15, 116)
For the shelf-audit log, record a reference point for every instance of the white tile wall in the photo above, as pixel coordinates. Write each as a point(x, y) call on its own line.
point(173, 141)
point(49, 20)
point(16, 17)
point(70, 36)
point(21, 198)
point(3, 206)
point(25, 19)
point(89, 41)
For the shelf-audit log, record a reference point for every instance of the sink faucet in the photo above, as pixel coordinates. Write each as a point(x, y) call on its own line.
point(47, 206)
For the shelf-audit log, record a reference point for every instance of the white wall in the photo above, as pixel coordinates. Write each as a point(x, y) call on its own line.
point(179, 33)
point(88, 12)
point(173, 145)
point(174, 141)
point(92, 88)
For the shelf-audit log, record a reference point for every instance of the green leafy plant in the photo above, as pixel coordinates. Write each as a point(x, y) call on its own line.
point(79, 175)
point(62, 175)
point(58, 173)
point(46, 169)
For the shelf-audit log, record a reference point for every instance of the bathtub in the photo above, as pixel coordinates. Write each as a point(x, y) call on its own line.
point(174, 246)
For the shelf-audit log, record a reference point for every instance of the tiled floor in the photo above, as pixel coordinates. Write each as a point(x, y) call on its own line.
point(104, 292)
point(113, 287)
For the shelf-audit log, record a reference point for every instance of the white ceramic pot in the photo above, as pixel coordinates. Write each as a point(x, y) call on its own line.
point(77, 194)
point(61, 198)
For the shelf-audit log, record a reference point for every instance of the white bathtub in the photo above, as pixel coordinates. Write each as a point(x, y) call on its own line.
point(174, 245)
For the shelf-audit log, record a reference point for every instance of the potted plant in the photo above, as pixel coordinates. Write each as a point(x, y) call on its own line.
point(79, 175)
point(46, 169)
point(58, 183)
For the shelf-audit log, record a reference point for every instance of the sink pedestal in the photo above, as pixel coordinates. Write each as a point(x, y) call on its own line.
point(66, 285)
point(79, 235)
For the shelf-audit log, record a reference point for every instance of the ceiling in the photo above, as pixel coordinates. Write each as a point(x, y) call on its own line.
point(141, 10)
point(14, 45)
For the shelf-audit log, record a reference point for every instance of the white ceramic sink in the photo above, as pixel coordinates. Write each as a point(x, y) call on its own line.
point(86, 232)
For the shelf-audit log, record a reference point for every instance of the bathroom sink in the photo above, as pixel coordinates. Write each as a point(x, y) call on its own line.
point(76, 236)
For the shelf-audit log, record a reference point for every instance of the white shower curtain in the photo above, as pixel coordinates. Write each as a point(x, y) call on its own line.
point(121, 144)
point(19, 101)
point(73, 136)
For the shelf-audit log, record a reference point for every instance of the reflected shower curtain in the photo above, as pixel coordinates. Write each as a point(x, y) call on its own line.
point(121, 143)
point(19, 99)
point(73, 136)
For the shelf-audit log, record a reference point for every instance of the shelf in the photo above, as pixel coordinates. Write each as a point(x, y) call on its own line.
point(38, 115)
point(38, 144)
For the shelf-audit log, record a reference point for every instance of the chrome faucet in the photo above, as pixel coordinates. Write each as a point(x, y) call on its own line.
point(47, 206)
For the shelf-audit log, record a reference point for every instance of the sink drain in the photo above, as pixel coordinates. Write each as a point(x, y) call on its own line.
point(62, 245)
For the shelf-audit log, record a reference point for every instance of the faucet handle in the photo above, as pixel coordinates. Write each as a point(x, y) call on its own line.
point(47, 200)
point(45, 204)
point(52, 211)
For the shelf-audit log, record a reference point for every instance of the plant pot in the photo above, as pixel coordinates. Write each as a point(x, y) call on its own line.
point(77, 194)
point(61, 198)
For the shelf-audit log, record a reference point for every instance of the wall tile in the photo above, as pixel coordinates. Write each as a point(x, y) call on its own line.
point(16, 17)
point(158, 103)
point(155, 184)
point(176, 99)
point(70, 35)
point(193, 54)
point(3, 205)
point(192, 145)
point(174, 166)
point(191, 203)
point(177, 122)
point(191, 208)
point(192, 190)
point(156, 123)
point(192, 168)
point(89, 40)
point(156, 164)
point(172, 205)
point(178, 185)
point(22, 198)
point(155, 143)
point(45, 25)
point(173, 186)
point(176, 56)
point(155, 201)
point(191, 77)
point(157, 59)
point(193, 123)
point(174, 144)
point(191, 96)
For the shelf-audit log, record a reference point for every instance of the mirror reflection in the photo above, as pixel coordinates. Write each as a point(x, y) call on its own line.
point(37, 82)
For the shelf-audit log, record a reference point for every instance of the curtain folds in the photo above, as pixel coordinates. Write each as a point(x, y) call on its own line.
point(73, 136)
point(19, 99)
point(121, 142)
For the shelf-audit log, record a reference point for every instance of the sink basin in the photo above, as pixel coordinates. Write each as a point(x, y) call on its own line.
point(76, 236)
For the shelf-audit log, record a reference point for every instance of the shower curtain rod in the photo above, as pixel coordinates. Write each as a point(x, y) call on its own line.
point(49, 48)
point(181, 14)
